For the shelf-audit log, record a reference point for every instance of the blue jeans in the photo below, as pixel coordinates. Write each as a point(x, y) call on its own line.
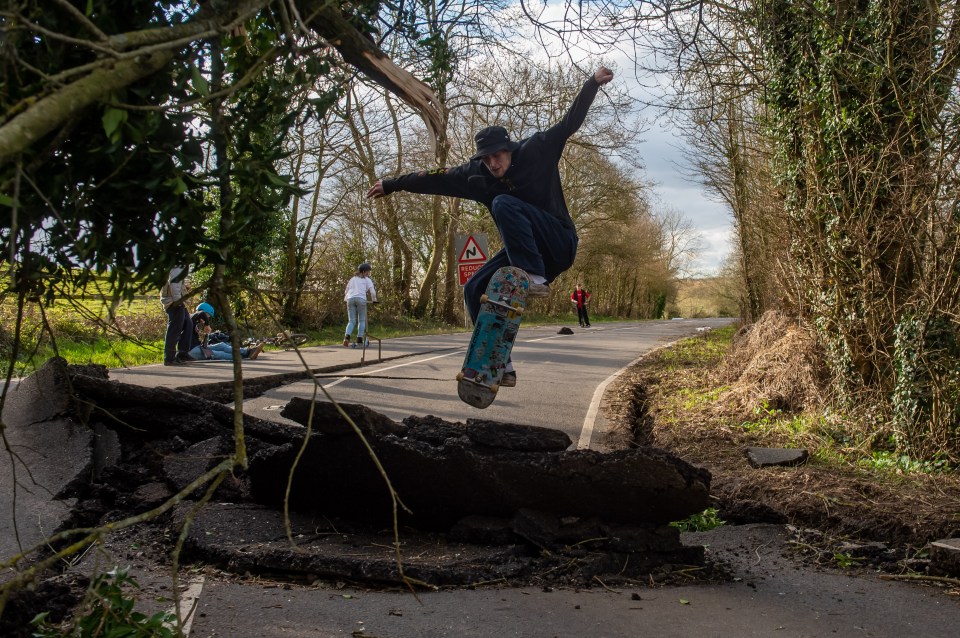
point(179, 332)
point(356, 316)
point(222, 351)
point(533, 240)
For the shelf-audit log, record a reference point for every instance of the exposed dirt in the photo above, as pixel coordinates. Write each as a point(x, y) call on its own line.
point(708, 410)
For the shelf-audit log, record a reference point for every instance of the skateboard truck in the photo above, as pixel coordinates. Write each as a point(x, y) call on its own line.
point(493, 388)
point(516, 308)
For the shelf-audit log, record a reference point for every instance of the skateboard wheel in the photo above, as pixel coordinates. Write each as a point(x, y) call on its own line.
point(459, 377)
point(484, 298)
point(494, 388)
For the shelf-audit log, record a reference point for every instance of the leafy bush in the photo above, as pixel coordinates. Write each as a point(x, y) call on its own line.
point(705, 521)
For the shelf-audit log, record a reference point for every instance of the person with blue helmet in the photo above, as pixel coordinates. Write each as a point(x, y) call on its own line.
point(200, 348)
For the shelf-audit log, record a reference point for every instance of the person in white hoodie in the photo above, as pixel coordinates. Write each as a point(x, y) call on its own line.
point(356, 297)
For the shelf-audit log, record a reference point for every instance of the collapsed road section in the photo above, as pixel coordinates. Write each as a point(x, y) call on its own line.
point(477, 502)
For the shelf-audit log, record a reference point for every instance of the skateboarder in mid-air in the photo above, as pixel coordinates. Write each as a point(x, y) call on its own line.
point(519, 182)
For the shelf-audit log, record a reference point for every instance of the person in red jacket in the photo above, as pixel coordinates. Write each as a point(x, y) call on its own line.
point(580, 297)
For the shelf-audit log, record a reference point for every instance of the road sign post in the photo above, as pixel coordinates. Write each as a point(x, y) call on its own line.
point(472, 251)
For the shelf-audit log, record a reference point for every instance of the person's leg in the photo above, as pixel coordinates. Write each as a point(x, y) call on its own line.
point(533, 239)
point(361, 319)
point(222, 351)
point(586, 316)
point(477, 284)
point(172, 335)
point(176, 341)
point(186, 331)
point(351, 319)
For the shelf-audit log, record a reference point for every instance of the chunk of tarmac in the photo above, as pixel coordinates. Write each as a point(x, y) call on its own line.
point(558, 503)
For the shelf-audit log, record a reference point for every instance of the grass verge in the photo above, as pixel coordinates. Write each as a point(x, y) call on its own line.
point(687, 401)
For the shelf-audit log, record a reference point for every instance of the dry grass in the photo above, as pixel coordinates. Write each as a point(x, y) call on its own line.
point(773, 362)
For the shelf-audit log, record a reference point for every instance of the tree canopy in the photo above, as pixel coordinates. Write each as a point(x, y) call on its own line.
point(106, 105)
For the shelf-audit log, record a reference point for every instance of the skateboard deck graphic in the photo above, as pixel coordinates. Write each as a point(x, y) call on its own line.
point(496, 329)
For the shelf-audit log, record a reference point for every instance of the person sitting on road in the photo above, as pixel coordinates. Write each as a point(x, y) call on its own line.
point(201, 349)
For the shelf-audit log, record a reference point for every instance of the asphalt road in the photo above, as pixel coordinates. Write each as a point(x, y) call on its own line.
point(768, 596)
point(561, 377)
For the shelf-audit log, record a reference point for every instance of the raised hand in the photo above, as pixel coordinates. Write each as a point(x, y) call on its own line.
point(603, 75)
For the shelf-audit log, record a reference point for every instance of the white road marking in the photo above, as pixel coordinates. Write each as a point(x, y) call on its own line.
point(590, 421)
point(546, 338)
point(399, 365)
point(188, 603)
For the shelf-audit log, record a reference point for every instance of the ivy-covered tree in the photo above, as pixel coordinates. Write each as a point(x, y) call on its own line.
point(864, 145)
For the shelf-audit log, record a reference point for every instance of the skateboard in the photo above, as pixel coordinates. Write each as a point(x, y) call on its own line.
point(498, 322)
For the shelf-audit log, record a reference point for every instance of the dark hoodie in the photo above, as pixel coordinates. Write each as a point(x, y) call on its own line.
point(533, 176)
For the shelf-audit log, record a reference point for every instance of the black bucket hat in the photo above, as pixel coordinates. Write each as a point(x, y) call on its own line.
point(493, 139)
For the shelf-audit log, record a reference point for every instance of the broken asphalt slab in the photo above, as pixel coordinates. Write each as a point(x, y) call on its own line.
point(444, 471)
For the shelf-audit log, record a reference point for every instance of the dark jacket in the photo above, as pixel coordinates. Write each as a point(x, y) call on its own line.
point(533, 176)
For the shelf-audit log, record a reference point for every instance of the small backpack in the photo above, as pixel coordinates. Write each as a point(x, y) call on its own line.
point(218, 336)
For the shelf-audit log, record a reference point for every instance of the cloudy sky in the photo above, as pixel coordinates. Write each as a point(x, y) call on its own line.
point(663, 154)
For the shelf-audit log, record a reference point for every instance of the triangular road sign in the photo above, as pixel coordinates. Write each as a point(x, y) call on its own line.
point(471, 252)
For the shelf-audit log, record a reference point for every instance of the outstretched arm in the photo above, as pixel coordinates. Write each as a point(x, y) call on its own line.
point(577, 113)
point(439, 181)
